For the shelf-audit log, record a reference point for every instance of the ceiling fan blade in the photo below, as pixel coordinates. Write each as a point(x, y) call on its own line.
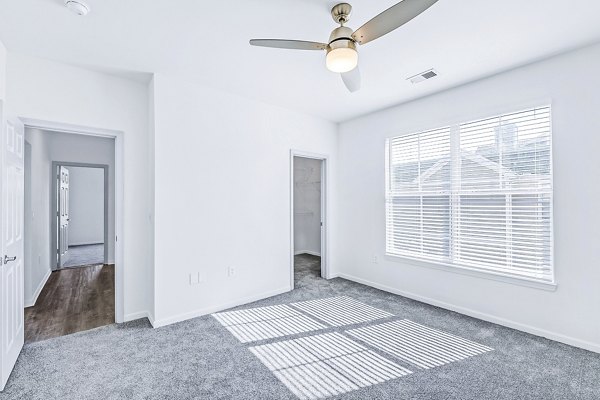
point(352, 79)
point(288, 44)
point(392, 18)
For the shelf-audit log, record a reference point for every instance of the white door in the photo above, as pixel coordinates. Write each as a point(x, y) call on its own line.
point(11, 276)
point(63, 214)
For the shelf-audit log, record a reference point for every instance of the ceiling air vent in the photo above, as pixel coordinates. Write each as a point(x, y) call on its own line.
point(423, 76)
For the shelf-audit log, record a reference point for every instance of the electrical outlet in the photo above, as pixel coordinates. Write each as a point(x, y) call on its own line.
point(231, 271)
point(375, 259)
point(196, 278)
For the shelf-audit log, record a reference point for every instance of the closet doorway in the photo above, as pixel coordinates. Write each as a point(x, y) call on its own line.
point(308, 211)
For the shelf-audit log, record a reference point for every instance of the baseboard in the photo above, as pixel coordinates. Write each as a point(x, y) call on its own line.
point(150, 317)
point(139, 315)
point(84, 244)
point(312, 253)
point(595, 347)
point(209, 310)
point(31, 302)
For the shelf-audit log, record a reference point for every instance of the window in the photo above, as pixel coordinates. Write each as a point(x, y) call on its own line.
point(476, 195)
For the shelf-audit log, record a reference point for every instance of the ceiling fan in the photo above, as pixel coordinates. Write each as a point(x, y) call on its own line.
point(342, 55)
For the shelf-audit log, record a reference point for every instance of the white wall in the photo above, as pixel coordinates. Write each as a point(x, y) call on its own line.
point(86, 206)
point(27, 227)
point(3, 56)
point(307, 206)
point(56, 92)
point(571, 313)
point(222, 196)
point(37, 215)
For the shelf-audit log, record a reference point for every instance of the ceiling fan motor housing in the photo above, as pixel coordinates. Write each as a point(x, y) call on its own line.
point(341, 38)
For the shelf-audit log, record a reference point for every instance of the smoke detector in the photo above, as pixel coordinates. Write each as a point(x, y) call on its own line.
point(423, 76)
point(77, 7)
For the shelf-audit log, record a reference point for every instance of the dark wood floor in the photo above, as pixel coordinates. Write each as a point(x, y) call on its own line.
point(73, 300)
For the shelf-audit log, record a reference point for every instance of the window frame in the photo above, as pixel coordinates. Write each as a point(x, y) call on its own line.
point(454, 128)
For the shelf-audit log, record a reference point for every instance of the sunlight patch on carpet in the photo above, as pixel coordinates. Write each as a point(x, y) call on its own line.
point(341, 310)
point(417, 344)
point(326, 365)
point(263, 323)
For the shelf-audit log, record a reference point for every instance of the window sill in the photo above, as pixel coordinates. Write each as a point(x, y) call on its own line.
point(532, 283)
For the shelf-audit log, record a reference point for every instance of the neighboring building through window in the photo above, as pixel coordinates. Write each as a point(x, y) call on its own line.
point(476, 195)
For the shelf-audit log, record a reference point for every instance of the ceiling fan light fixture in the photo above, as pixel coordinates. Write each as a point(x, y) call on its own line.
point(343, 59)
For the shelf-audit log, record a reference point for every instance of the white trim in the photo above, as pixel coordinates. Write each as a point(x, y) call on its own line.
point(85, 244)
point(150, 317)
point(139, 315)
point(324, 158)
point(595, 347)
point(212, 309)
point(69, 128)
point(119, 196)
point(478, 273)
point(31, 302)
point(309, 252)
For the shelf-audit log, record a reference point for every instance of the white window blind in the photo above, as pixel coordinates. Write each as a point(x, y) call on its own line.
point(476, 195)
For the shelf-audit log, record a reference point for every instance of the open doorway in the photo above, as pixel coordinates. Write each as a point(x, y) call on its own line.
point(81, 207)
point(70, 214)
point(308, 219)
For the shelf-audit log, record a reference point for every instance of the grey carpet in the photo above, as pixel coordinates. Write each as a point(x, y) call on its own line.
point(307, 268)
point(79, 256)
point(200, 359)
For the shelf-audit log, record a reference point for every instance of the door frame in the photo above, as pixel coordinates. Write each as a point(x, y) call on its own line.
point(118, 136)
point(56, 260)
point(324, 158)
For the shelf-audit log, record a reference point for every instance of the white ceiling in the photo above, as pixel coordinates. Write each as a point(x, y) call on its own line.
point(208, 40)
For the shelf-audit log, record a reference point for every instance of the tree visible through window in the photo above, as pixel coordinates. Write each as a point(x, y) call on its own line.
point(476, 195)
